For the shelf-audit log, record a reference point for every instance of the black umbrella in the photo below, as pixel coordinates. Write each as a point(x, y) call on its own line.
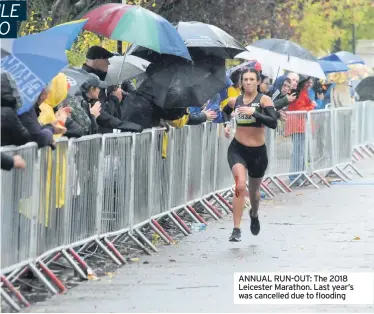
point(181, 85)
point(209, 40)
point(365, 89)
point(201, 40)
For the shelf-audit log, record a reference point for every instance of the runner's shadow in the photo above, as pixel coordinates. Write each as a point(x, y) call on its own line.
point(246, 251)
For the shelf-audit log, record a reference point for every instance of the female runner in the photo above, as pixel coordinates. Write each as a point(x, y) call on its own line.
point(247, 151)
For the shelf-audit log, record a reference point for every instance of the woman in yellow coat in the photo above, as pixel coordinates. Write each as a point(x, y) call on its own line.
point(57, 91)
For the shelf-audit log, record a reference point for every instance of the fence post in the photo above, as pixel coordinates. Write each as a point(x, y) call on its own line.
point(100, 186)
point(35, 208)
point(132, 181)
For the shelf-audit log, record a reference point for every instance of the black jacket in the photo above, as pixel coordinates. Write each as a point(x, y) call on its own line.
point(107, 121)
point(13, 132)
point(43, 135)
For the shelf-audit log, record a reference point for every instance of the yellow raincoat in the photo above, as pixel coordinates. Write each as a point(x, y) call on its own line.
point(58, 90)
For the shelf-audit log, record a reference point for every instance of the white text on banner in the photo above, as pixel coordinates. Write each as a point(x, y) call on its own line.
point(304, 288)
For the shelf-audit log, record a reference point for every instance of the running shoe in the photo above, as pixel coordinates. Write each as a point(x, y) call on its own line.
point(235, 235)
point(255, 224)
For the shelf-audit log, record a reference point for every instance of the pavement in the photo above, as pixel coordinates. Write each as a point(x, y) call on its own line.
point(308, 230)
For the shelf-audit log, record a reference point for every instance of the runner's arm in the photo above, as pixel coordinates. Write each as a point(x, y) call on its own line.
point(228, 109)
point(269, 118)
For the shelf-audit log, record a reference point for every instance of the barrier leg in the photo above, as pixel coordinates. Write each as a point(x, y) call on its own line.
point(343, 172)
point(367, 151)
point(322, 179)
point(228, 205)
point(214, 209)
point(267, 191)
point(74, 264)
point(283, 184)
point(41, 277)
point(53, 277)
point(162, 236)
point(78, 258)
point(196, 214)
point(9, 300)
point(371, 147)
point(114, 250)
point(223, 205)
point(307, 178)
point(354, 169)
point(144, 238)
point(138, 243)
point(12, 289)
point(108, 252)
point(209, 210)
point(191, 215)
point(272, 180)
point(162, 230)
point(180, 223)
point(336, 173)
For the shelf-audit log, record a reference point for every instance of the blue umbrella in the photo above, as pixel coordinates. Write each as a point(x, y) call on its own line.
point(332, 66)
point(345, 57)
point(34, 60)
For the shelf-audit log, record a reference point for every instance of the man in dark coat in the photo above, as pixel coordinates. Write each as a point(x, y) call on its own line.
point(97, 63)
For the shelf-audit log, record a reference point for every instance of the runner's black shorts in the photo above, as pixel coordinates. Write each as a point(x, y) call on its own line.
point(255, 159)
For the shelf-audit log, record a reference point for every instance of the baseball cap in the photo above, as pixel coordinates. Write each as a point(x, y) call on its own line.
point(97, 52)
point(93, 80)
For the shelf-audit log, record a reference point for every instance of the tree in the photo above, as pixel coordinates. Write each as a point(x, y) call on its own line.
point(326, 25)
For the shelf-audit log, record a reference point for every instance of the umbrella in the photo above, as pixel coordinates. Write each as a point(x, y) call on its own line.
point(76, 77)
point(365, 89)
point(34, 60)
point(122, 68)
point(135, 24)
point(209, 39)
point(180, 85)
point(345, 57)
point(201, 40)
point(283, 54)
point(248, 64)
point(332, 66)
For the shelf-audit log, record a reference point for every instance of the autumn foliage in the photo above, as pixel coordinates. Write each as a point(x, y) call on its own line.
point(322, 26)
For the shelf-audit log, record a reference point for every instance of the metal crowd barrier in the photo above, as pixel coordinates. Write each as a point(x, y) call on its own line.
point(93, 194)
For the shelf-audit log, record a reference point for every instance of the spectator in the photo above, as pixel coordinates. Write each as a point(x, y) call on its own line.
point(340, 96)
point(97, 63)
point(295, 78)
point(275, 90)
point(9, 162)
point(85, 105)
point(58, 90)
point(13, 132)
point(42, 135)
point(264, 85)
point(296, 126)
point(283, 98)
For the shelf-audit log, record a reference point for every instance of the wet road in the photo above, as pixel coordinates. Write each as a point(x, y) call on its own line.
point(307, 230)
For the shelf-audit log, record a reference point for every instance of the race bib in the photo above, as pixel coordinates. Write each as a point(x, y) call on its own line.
point(243, 118)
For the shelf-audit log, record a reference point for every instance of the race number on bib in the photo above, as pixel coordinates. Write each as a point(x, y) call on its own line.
point(243, 118)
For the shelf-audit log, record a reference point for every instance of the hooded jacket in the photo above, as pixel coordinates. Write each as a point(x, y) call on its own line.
point(58, 91)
